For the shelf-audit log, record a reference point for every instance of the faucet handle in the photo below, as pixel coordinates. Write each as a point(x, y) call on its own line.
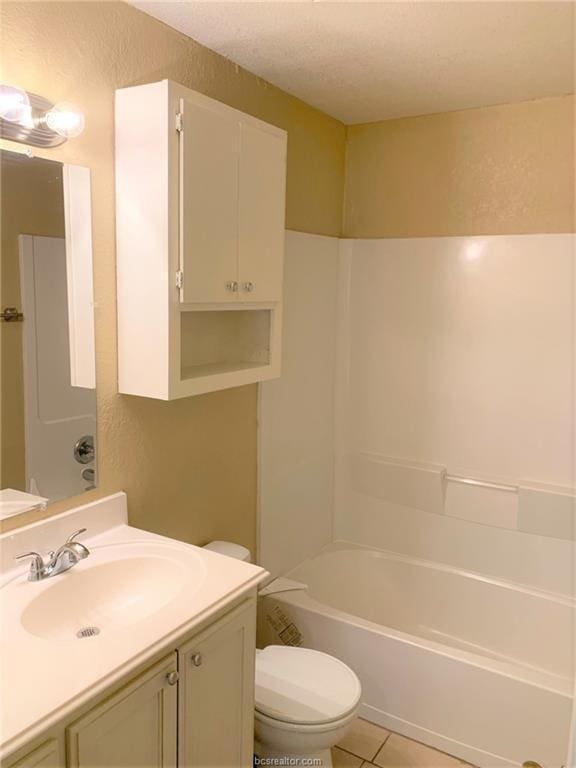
point(79, 549)
point(70, 539)
point(37, 563)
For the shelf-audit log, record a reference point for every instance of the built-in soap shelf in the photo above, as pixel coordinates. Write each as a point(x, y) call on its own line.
point(526, 506)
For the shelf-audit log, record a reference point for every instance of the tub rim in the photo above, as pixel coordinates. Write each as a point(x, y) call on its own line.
point(340, 545)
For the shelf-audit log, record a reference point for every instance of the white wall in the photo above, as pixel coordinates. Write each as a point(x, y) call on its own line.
point(296, 435)
point(470, 339)
point(457, 352)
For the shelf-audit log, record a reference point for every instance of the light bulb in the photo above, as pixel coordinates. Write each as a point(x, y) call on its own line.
point(14, 104)
point(65, 119)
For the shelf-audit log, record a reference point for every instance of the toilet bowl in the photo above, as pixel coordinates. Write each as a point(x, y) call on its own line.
point(305, 703)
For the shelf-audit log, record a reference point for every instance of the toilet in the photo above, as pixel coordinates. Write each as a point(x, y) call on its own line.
point(305, 703)
point(305, 700)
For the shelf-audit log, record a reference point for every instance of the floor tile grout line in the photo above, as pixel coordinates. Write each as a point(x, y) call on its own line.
point(380, 748)
point(342, 749)
point(375, 755)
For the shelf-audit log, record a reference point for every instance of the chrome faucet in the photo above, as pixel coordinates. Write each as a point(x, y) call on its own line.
point(65, 557)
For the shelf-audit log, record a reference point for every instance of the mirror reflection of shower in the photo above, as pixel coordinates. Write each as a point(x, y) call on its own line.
point(85, 453)
point(47, 334)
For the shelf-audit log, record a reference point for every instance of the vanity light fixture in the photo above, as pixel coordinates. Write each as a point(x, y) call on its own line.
point(14, 104)
point(65, 119)
point(31, 119)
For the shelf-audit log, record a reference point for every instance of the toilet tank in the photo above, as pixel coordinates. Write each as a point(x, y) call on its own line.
point(230, 549)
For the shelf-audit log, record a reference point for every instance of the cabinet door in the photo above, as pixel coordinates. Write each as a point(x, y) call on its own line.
point(136, 727)
point(208, 204)
point(47, 755)
point(217, 694)
point(261, 214)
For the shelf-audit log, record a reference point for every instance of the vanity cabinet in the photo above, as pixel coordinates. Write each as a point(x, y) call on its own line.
point(200, 193)
point(49, 754)
point(192, 708)
point(216, 694)
point(135, 727)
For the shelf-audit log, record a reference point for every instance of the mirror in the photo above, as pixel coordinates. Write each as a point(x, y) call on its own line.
point(47, 365)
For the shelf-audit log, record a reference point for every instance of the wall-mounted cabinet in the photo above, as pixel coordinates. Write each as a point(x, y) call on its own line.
point(200, 243)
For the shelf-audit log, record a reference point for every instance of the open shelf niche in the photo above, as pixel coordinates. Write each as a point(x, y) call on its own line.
point(223, 341)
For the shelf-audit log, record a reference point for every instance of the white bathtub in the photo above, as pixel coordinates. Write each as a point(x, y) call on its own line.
point(477, 667)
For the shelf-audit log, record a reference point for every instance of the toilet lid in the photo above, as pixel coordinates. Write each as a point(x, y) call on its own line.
point(298, 685)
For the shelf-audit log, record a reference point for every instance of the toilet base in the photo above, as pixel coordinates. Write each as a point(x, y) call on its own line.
point(321, 759)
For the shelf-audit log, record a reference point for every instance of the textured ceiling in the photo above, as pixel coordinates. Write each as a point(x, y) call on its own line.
point(363, 62)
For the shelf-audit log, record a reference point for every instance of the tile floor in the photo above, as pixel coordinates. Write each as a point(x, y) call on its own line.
point(368, 745)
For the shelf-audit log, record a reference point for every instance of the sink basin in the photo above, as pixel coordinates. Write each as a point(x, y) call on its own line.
point(96, 599)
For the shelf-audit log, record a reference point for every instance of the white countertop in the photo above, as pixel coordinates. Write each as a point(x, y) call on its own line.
point(46, 678)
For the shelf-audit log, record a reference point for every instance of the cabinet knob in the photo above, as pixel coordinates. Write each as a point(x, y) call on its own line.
point(196, 659)
point(172, 677)
point(232, 286)
point(248, 287)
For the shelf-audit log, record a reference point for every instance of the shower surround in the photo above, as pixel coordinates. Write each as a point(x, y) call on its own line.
point(415, 366)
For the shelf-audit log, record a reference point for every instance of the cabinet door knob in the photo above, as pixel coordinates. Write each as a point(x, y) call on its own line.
point(196, 659)
point(172, 677)
point(248, 287)
point(232, 286)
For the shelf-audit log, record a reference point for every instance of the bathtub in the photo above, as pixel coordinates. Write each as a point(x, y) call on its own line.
point(474, 666)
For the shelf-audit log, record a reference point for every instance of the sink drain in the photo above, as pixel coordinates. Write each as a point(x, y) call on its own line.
point(88, 632)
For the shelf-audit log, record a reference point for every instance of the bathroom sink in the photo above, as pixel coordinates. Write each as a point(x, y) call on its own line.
point(113, 590)
point(132, 599)
point(83, 603)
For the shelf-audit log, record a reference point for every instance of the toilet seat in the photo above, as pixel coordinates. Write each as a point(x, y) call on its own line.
point(300, 687)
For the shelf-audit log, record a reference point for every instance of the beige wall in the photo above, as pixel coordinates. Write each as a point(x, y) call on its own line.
point(189, 466)
point(497, 170)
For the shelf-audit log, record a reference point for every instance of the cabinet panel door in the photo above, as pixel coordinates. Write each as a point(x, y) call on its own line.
point(261, 214)
point(47, 755)
point(217, 694)
point(208, 204)
point(134, 728)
